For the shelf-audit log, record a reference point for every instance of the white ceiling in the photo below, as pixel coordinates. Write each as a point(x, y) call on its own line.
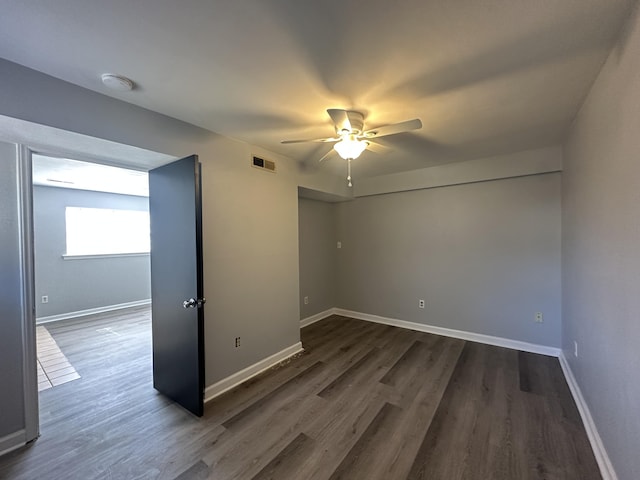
point(485, 76)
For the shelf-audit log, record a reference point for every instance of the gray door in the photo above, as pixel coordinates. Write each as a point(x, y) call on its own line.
point(177, 301)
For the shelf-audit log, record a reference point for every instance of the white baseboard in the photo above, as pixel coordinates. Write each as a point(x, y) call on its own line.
point(305, 322)
point(12, 441)
point(237, 378)
point(606, 468)
point(448, 332)
point(91, 311)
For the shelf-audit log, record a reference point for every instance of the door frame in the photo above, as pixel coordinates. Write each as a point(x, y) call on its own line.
point(30, 355)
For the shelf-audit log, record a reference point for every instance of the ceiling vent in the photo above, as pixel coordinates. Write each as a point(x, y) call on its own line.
point(263, 164)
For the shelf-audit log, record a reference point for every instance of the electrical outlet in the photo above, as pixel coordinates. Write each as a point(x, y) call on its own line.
point(575, 348)
point(306, 300)
point(339, 244)
point(539, 317)
point(420, 303)
point(45, 299)
point(237, 342)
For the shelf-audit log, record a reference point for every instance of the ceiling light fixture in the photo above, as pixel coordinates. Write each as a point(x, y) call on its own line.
point(117, 82)
point(349, 148)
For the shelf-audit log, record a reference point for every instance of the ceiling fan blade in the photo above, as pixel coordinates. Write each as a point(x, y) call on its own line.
point(340, 119)
point(327, 155)
point(394, 128)
point(317, 140)
point(377, 147)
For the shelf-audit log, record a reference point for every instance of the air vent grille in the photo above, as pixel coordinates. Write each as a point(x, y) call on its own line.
point(266, 165)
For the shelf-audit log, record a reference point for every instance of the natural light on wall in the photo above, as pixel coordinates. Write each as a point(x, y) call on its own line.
point(102, 231)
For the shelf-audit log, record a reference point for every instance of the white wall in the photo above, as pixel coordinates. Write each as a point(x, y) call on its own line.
point(484, 256)
point(601, 252)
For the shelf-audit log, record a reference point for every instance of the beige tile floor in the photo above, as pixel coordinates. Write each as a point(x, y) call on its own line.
point(53, 367)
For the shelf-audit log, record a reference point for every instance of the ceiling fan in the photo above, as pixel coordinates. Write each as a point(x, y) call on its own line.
point(352, 139)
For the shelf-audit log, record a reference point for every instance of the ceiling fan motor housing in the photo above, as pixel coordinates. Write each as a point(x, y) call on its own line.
point(356, 119)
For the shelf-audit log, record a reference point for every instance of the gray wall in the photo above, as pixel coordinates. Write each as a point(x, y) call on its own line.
point(81, 284)
point(484, 256)
point(318, 256)
point(11, 298)
point(601, 252)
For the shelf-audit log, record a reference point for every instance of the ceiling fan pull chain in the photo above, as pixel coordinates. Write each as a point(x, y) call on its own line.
point(349, 172)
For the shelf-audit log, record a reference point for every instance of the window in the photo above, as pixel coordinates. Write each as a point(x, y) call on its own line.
point(103, 231)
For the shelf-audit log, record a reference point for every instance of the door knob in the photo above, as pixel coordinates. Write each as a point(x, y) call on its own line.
point(193, 303)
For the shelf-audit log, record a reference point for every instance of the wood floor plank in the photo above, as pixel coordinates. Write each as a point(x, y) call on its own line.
point(345, 378)
point(356, 465)
point(258, 406)
point(259, 440)
point(413, 353)
point(408, 374)
point(288, 461)
point(199, 471)
point(345, 418)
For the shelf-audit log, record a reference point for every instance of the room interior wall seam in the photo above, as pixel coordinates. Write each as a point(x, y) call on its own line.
point(602, 457)
point(305, 322)
point(458, 184)
point(517, 164)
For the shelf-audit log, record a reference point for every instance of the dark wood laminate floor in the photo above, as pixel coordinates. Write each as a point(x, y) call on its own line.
point(364, 401)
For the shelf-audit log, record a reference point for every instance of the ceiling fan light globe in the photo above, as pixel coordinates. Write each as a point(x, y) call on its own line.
point(350, 147)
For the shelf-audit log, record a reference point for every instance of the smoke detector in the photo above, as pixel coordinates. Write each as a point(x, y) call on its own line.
point(117, 82)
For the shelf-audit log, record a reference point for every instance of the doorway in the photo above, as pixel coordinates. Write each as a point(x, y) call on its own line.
point(20, 139)
point(92, 281)
point(19, 327)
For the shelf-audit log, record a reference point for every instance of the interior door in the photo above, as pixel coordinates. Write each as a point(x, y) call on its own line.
point(177, 302)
